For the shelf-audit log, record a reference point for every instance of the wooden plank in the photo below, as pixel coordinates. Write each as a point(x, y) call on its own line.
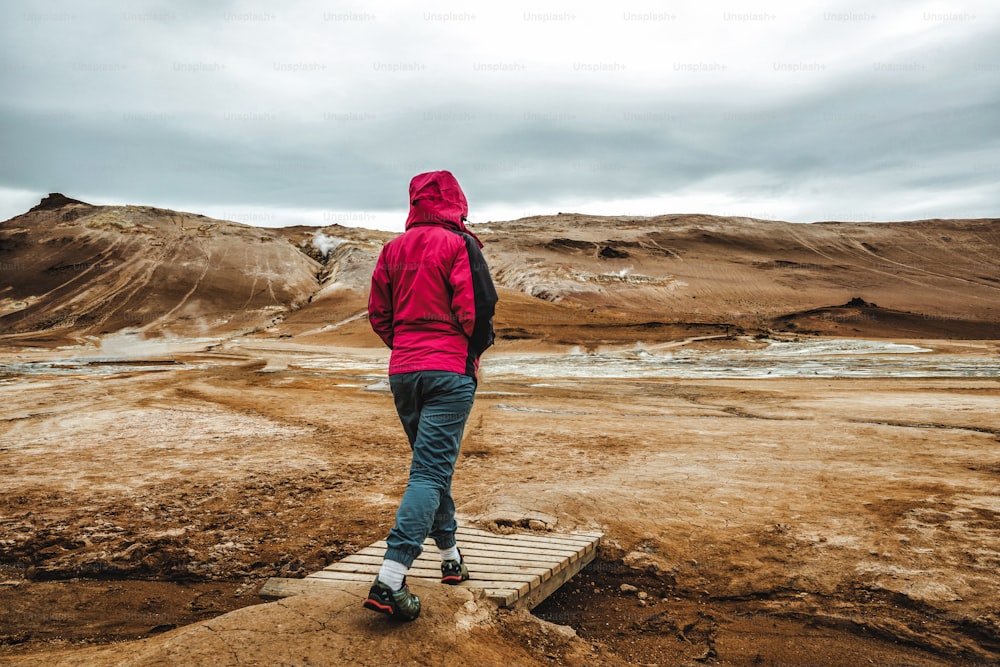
point(522, 587)
point(502, 546)
point(547, 588)
point(431, 568)
point(485, 555)
point(504, 597)
point(425, 574)
point(527, 544)
point(568, 535)
point(477, 559)
point(541, 538)
point(503, 551)
point(510, 541)
point(496, 555)
point(513, 574)
point(336, 568)
point(435, 563)
point(518, 541)
point(530, 561)
point(514, 570)
point(555, 539)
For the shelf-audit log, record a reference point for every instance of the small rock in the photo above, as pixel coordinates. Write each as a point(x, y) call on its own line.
point(628, 588)
point(566, 631)
point(639, 560)
point(133, 552)
point(642, 595)
point(535, 524)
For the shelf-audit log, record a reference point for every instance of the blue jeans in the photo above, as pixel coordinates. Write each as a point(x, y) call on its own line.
point(433, 407)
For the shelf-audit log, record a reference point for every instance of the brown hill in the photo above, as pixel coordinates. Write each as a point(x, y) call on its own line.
point(72, 269)
point(756, 274)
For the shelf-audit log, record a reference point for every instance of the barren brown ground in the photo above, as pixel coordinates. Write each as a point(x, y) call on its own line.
point(762, 521)
point(800, 520)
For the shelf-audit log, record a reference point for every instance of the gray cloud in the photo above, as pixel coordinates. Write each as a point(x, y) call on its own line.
point(880, 112)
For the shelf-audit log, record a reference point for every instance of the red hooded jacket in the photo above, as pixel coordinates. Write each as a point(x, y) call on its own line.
point(432, 299)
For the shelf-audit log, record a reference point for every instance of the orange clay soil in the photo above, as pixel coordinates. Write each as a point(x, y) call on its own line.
point(747, 521)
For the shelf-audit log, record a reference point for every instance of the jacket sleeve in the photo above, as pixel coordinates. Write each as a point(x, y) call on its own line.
point(380, 313)
point(471, 278)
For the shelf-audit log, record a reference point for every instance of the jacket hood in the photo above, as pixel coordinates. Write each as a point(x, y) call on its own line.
point(436, 198)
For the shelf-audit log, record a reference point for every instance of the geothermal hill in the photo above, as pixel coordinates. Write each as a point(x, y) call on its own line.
point(71, 269)
point(935, 278)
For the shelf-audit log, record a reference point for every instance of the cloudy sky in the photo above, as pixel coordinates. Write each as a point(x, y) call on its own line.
point(276, 113)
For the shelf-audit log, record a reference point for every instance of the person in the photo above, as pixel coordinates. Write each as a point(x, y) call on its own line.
point(432, 303)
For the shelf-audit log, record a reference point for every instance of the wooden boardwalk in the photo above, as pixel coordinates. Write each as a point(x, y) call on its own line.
point(514, 570)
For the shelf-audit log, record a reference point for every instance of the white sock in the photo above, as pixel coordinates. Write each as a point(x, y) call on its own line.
point(450, 553)
point(391, 574)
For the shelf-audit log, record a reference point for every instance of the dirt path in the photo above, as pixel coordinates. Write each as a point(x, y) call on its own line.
point(763, 521)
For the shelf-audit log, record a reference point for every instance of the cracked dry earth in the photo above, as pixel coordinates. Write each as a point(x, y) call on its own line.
point(751, 522)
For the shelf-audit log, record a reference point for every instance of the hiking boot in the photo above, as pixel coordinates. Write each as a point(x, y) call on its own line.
point(401, 605)
point(454, 572)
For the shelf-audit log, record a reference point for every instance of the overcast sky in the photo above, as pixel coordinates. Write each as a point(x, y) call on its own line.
point(275, 113)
